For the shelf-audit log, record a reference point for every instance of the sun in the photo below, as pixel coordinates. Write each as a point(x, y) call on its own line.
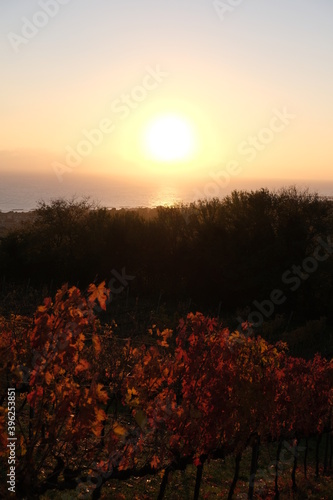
point(169, 138)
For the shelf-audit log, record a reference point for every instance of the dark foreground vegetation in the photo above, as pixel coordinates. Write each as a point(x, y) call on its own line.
point(122, 392)
point(227, 258)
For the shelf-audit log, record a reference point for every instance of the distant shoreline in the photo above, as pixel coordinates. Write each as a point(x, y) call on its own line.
point(20, 194)
point(16, 219)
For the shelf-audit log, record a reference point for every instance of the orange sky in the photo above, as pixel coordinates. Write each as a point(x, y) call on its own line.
point(254, 83)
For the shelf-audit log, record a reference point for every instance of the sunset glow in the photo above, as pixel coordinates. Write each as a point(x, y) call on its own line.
point(100, 94)
point(169, 138)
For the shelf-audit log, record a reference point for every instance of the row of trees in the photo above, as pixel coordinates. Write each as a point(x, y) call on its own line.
point(230, 251)
point(91, 404)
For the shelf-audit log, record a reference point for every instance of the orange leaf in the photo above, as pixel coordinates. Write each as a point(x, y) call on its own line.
point(83, 365)
point(101, 394)
point(119, 430)
point(48, 378)
point(99, 293)
point(155, 462)
point(97, 344)
point(100, 415)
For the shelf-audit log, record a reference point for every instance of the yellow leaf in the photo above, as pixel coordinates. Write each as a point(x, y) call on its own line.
point(119, 430)
point(130, 397)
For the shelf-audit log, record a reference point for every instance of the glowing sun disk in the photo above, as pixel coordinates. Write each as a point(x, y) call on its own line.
point(169, 138)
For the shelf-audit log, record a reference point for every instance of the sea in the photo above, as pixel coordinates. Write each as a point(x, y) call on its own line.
point(21, 193)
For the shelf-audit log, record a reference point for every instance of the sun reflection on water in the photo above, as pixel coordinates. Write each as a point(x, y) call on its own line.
point(164, 197)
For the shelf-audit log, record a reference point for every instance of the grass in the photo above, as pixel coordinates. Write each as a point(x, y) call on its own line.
point(216, 481)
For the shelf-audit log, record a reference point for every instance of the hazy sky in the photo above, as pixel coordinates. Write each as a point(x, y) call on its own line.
point(254, 83)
